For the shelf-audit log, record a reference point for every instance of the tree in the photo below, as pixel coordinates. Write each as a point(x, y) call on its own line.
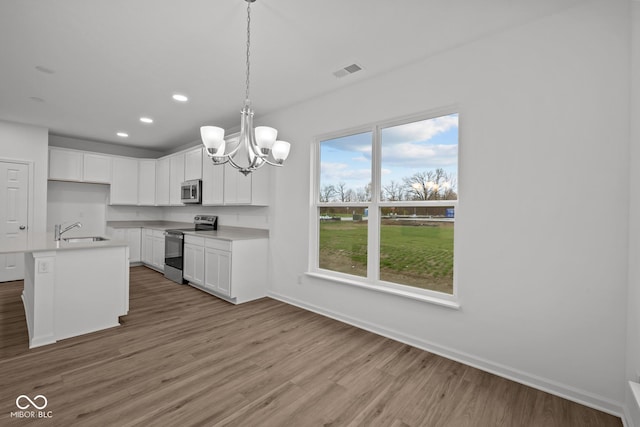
point(341, 190)
point(393, 192)
point(327, 193)
point(431, 185)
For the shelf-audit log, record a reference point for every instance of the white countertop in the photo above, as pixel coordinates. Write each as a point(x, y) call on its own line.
point(38, 242)
point(222, 233)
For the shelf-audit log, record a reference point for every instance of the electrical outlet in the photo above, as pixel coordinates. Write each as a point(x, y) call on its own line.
point(43, 266)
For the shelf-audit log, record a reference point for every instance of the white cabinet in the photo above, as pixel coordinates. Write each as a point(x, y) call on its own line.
point(96, 168)
point(163, 179)
point(193, 164)
point(193, 260)
point(235, 271)
point(65, 165)
point(252, 189)
point(133, 237)
point(146, 182)
point(153, 248)
point(218, 271)
point(79, 166)
point(176, 174)
point(124, 184)
point(212, 182)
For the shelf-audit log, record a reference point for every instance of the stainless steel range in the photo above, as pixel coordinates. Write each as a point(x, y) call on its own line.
point(174, 245)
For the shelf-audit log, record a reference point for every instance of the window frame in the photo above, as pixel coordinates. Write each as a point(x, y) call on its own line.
point(372, 281)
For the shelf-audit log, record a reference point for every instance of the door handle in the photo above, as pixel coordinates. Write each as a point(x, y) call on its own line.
point(22, 227)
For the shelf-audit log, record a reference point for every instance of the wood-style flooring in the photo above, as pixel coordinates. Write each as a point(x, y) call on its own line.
point(185, 358)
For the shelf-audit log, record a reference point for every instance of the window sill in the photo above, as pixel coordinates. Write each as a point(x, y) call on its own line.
point(397, 292)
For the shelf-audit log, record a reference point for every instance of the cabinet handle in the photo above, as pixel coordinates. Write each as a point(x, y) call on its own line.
point(22, 227)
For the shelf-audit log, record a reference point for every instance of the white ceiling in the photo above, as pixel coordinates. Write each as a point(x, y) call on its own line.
point(114, 61)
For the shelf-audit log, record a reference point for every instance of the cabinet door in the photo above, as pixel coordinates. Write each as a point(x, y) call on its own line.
point(193, 164)
point(176, 167)
point(146, 182)
point(65, 165)
point(124, 184)
point(212, 182)
point(158, 253)
point(217, 271)
point(193, 267)
point(237, 186)
point(163, 180)
point(147, 248)
point(135, 241)
point(97, 168)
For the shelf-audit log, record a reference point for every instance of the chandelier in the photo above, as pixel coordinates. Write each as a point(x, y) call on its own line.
point(260, 145)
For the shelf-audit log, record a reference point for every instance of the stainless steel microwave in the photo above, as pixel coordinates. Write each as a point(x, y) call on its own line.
point(191, 191)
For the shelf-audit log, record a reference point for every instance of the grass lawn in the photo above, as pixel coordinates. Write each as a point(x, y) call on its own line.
point(418, 254)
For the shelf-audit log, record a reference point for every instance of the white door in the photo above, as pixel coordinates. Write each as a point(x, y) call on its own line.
point(14, 205)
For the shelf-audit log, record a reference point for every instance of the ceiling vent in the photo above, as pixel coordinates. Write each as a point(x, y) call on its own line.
point(349, 69)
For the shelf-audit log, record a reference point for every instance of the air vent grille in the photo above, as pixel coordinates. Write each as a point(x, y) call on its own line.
point(349, 69)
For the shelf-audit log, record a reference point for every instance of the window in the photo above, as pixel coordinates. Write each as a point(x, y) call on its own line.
point(385, 202)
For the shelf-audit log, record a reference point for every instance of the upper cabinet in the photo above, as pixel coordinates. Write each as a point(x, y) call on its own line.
point(149, 182)
point(193, 164)
point(176, 178)
point(212, 182)
point(78, 166)
point(146, 182)
point(124, 186)
point(252, 189)
point(163, 180)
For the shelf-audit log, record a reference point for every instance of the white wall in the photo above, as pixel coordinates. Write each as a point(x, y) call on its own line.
point(543, 140)
point(69, 202)
point(633, 330)
point(29, 143)
point(230, 216)
point(102, 147)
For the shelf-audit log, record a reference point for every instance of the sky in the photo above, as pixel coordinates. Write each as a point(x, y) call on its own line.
point(406, 149)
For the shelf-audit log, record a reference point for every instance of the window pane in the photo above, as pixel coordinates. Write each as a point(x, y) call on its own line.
point(343, 240)
point(416, 247)
point(420, 160)
point(345, 169)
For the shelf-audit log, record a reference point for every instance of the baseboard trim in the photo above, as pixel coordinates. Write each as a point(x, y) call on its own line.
point(566, 392)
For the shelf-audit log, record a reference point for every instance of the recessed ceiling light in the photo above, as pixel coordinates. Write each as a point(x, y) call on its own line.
point(180, 98)
point(123, 134)
point(146, 120)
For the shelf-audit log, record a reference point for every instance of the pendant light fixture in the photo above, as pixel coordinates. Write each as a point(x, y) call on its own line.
point(260, 144)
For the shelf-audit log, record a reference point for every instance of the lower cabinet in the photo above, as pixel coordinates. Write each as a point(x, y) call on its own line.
point(153, 248)
point(218, 271)
point(193, 260)
point(235, 271)
point(133, 237)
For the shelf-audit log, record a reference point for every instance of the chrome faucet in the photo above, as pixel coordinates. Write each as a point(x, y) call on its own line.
point(57, 230)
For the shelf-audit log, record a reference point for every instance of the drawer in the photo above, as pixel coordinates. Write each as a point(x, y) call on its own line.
point(223, 245)
point(193, 240)
point(158, 233)
point(148, 232)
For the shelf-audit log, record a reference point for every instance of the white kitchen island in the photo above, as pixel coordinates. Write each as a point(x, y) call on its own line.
point(70, 288)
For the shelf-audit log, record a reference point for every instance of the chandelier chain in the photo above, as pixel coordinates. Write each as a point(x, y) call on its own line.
point(248, 47)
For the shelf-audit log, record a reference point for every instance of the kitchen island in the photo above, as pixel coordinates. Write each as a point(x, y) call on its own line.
point(71, 288)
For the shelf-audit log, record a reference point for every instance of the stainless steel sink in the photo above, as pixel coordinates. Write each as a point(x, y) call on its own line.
point(84, 239)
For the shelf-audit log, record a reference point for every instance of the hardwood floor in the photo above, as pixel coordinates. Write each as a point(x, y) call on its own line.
point(183, 358)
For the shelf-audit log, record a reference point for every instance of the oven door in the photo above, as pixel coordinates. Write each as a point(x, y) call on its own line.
point(173, 247)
